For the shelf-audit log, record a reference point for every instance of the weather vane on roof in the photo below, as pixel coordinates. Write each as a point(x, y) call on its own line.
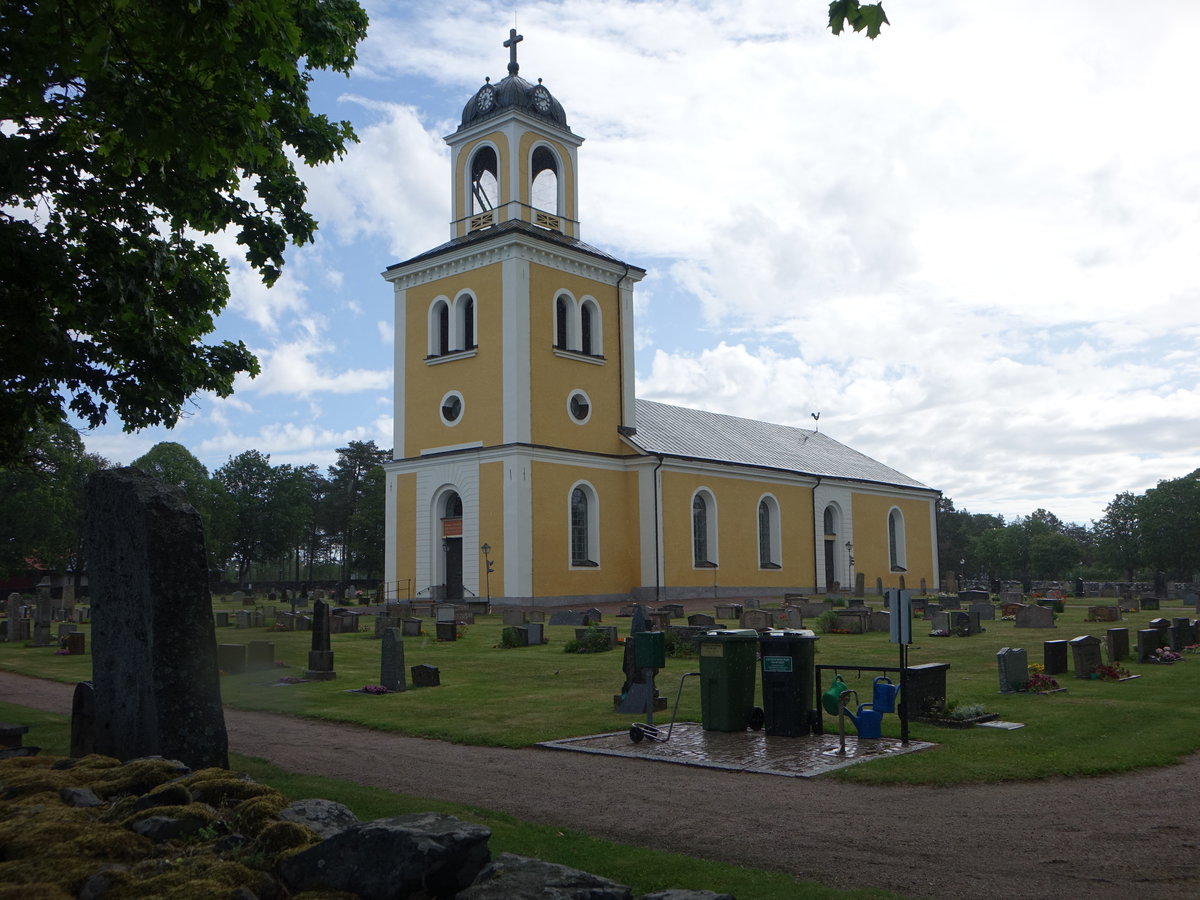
point(816, 418)
point(511, 44)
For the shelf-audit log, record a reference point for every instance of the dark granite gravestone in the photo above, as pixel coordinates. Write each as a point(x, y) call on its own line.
point(156, 688)
point(425, 675)
point(1054, 657)
point(1183, 633)
point(569, 617)
point(1147, 643)
point(391, 661)
point(260, 655)
point(701, 620)
point(320, 657)
point(1085, 653)
point(231, 658)
point(1118, 644)
point(925, 689)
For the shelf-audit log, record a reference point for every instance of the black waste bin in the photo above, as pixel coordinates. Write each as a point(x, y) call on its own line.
point(728, 660)
point(788, 681)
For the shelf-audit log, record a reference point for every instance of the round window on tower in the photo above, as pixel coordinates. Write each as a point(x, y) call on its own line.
point(579, 407)
point(452, 408)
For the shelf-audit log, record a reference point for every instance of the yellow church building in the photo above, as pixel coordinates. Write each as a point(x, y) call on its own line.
point(519, 443)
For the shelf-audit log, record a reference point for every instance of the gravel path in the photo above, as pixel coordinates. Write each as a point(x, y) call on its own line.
point(1112, 837)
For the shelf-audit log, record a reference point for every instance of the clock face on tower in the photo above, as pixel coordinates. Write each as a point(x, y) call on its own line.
point(486, 99)
point(541, 99)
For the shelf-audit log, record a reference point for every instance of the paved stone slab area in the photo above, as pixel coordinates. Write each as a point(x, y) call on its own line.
point(746, 751)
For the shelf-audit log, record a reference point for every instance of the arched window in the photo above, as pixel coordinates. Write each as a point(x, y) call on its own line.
point(453, 506)
point(829, 524)
point(485, 180)
point(897, 560)
point(591, 341)
point(704, 530)
point(439, 327)
point(584, 527)
point(769, 544)
point(464, 307)
point(562, 321)
point(544, 190)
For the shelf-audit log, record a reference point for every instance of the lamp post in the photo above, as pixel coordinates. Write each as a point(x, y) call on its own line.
point(849, 563)
point(487, 572)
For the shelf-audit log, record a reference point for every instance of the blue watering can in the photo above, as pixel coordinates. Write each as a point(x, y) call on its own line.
point(884, 695)
point(868, 721)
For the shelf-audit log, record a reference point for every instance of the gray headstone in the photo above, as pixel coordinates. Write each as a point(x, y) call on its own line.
point(1012, 668)
point(260, 655)
point(758, 619)
point(570, 617)
point(157, 690)
point(1035, 617)
point(1085, 653)
point(391, 662)
point(985, 611)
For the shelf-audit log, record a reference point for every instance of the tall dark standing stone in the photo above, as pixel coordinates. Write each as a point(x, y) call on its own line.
point(320, 657)
point(391, 663)
point(156, 688)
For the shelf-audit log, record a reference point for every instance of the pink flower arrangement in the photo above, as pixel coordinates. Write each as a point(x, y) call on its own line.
point(375, 689)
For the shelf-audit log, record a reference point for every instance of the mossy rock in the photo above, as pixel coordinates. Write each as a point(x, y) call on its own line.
point(200, 812)
point(251, 816)
point(33, 873)
point(111, 843)
point(138, 777)
point(279, 837)
point(192, 878)
point(167, 795)
point(230, 790)
point(39, 891)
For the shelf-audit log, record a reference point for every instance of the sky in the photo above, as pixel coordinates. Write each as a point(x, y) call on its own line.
point(971, 245)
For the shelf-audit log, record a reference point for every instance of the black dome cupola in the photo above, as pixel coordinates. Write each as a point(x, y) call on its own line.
point(513, 92)
point(514, 157)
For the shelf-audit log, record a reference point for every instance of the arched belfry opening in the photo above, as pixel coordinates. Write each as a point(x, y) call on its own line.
point(544, 172)
point(514, 157)
point(485, 180)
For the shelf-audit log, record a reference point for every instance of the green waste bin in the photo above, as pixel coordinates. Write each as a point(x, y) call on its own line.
point(788, 679)
point(728, 661)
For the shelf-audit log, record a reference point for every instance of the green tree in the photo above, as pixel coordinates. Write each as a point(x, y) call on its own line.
point(174, 464)
point(125, 129)
point(347, 484)
point(368, 526)
point(1169, 516)
point(1119, 535)
point(248, 480)
point(41, 517)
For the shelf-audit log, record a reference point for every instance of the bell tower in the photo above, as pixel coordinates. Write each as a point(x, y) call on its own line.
point(514, 376)
point(513, 158)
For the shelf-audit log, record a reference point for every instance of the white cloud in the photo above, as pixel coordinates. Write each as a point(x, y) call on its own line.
point(393, 184)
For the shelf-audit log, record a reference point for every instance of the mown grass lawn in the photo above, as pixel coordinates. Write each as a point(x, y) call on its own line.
point(514, 697)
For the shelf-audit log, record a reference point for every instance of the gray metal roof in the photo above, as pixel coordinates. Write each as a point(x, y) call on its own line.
point(514, 225)
point(696, 434)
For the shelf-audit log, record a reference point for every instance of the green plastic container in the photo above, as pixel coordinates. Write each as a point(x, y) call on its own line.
point(728, 663)
point(650, 649)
